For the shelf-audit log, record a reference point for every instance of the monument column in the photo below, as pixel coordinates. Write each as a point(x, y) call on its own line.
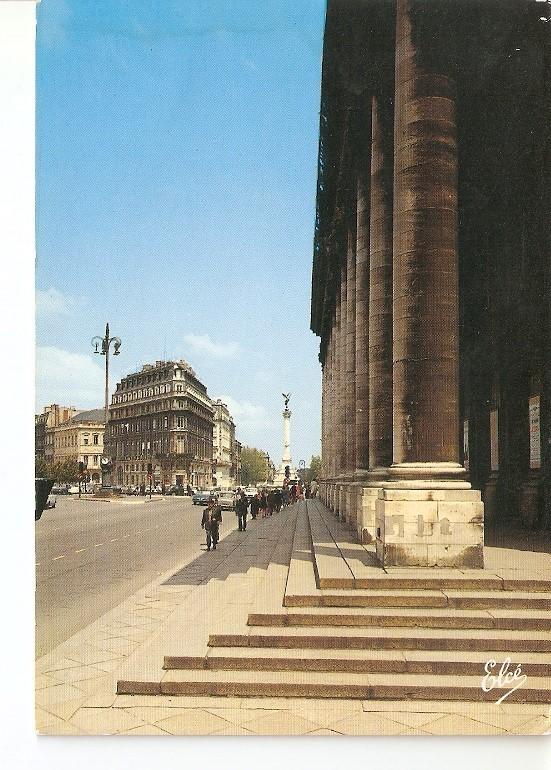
point(439, 521)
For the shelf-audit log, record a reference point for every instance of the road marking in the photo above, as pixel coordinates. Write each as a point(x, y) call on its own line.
point(113, 539)
point(58, 557)
point(128, 535)
point(80, 550)
point(97, 545)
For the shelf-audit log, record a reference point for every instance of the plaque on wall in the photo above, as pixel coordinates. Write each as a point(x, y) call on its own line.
point(535, 432)
point(494, 451)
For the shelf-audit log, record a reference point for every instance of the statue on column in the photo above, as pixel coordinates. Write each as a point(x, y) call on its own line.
point(287, 397)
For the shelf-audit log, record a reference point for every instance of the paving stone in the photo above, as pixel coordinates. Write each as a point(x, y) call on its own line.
point(538, 726)
point(456, 724)
point(62, 728)
point(193, 722)
point(367, 724)
point(324, 731)
point(45, 680)
point(144, 730)
point(58, 693)
point(415, 719)
point(104, 721)
point(280, 723)
point(233, 730)
point(79, 673)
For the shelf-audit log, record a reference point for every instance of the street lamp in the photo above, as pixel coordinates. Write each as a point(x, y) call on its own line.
point(105, 343)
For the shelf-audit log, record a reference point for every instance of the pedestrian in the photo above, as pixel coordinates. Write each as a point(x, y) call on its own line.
point(241, 507)
point(255, 505)
point(271, 501)
point(212, 518)
point(263, 503)
point(314, 488)
point(293, 494)
point(278, 500)
point(285, 495)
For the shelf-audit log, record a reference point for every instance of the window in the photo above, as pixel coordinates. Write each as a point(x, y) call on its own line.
point(96, 438)
point(85, 441)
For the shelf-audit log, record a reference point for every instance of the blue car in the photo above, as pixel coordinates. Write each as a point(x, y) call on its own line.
point(201, 497)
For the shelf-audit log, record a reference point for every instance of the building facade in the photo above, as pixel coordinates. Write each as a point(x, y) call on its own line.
point(51, 417)
point(431, 276)
point(79, 439)
point(223, 445)
point(163, 416)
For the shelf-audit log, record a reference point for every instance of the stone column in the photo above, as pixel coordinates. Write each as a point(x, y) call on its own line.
point(428, 515)
point(350, 384)
point(341, 395)
point(335, 395)
point(362, 316)
point(380, 311)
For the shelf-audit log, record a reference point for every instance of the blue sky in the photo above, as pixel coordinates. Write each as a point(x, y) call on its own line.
point(176, 176)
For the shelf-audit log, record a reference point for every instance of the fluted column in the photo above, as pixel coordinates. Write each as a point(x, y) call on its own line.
point(362, 311)
point(439, 520)
point(425, 368)
point(380, 292)
point(342, 369)
point(350, 385)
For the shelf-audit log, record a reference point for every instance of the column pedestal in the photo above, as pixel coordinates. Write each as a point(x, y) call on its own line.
point(429, 521)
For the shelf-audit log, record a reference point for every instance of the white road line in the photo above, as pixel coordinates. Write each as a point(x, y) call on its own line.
point(113, 539)
point(80, 550)
point(97, 545)
point(58, 557)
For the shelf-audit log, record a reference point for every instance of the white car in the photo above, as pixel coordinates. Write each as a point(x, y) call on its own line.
point(226, 499)
point(73, 490)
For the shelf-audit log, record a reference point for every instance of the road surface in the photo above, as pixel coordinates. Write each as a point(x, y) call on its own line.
point(91, 555)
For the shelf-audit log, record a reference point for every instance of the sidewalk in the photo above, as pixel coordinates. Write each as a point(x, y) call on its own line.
point(76, 683)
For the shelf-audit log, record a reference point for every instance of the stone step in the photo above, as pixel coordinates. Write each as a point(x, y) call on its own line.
point(385, 597)
point(370, 638)
point(376, 661)
point(529, 620)
point(355, 685)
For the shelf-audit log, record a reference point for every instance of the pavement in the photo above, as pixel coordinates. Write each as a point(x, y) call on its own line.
point(92, 554)
point(76, 681)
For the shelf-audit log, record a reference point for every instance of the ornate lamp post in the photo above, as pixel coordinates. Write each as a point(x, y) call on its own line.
point(105, 343)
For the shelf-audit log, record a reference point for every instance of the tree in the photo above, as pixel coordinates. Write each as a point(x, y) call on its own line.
point(253, 466)
point(314, 471)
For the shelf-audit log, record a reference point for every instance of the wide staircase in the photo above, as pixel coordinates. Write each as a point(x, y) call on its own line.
point(340, 626)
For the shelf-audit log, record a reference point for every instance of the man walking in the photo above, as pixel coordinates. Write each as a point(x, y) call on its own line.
point(241, 506)
point(212, 518)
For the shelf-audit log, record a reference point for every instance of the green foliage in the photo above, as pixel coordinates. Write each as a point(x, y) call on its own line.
point(253, 466)
point(62, 472)
point(314, 471)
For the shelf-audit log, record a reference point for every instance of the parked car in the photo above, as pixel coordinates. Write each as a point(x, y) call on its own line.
point(250, 492)
point(50, 502)
point(60, 489)
point(73, 490)
point(226, 499)
point(175, 490)
point(201, 497)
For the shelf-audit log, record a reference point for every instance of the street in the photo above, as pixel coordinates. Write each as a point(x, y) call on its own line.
point(91, 555)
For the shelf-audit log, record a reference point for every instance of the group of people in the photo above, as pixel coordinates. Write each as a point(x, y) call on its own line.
point(263, 504)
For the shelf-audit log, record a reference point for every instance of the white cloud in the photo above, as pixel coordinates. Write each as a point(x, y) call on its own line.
point(202, 343)
point(69, 379)
point(253, 424)
point(50, 302)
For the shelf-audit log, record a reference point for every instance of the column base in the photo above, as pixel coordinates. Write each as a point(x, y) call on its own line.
point(429, 524)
